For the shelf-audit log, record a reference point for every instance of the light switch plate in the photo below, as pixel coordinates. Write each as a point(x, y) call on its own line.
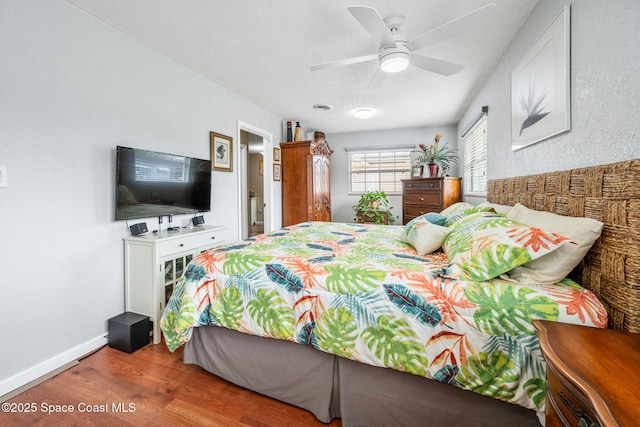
point(3, 176)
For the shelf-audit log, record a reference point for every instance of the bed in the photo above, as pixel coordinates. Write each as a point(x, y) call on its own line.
point(391, 336)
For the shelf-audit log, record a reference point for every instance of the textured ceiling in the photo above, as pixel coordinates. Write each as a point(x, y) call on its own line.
point(263, 51)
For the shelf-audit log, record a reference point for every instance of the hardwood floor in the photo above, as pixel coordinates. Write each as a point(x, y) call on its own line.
point(150, 387)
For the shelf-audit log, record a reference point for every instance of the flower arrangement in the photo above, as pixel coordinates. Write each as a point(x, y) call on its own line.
point(252, 192)
point(436, 153)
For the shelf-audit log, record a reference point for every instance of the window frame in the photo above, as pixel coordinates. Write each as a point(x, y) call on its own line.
point(397, 183)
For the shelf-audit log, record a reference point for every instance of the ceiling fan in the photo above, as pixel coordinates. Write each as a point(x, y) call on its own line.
point(396, 51)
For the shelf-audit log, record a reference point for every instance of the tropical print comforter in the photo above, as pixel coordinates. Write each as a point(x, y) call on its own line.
point(358, 292)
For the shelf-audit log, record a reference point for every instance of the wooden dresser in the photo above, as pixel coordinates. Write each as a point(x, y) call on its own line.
point(424, 195)
point(592, 375)
point(306, 181)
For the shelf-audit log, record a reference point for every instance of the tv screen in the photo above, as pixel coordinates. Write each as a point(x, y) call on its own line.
point(150, 184)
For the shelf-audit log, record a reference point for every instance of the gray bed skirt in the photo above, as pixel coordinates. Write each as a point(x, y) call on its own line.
point(332, 387)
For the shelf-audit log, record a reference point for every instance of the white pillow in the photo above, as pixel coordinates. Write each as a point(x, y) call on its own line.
point(424, 236)
point(555, 266)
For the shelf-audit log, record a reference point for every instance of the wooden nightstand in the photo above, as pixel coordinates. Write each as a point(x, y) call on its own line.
point(592, 375)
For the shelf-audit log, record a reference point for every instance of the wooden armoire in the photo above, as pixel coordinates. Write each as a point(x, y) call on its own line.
point(306, 180)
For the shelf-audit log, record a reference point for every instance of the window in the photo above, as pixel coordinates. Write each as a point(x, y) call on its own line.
point(475, 157)
point(378, 170)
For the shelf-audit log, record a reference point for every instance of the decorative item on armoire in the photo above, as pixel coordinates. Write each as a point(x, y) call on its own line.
point(289, 132)
point(298, 134)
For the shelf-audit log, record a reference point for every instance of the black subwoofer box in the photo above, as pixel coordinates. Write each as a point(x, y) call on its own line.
point(129, 332)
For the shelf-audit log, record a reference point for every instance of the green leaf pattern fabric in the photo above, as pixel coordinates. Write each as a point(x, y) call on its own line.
point(486, 245)
point(460, 210)
point(356, 291)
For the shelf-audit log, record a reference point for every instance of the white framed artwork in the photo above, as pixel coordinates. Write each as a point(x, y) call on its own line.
point(540, 86)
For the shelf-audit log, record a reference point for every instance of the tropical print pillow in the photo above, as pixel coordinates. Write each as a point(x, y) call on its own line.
point(455, 207)
point(435, 218)
point(461, 211)
point(423, 235)
point(432, 217)
point(486, 245)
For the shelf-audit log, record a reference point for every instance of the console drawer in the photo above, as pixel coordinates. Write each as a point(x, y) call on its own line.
point(187, 243)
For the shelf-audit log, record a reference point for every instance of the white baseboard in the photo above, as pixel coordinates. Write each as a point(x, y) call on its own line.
point(33, 373)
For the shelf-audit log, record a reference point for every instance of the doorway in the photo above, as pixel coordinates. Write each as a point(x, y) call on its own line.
point(254, 181)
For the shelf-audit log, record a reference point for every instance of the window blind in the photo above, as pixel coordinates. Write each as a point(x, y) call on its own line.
point(475, 157)
point(378, 170)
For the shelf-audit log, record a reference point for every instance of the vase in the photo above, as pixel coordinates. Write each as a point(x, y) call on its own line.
point(289, 132)
point(298, 134)
point(433, 170)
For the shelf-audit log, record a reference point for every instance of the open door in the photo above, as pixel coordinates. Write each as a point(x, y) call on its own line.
point(254, 181)
point(242, 176)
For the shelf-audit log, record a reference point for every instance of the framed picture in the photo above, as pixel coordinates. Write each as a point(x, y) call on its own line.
point(276, 172)
point(416, 172)
point(540, 87)
point(276, 155)
point(260, 167)
point(221, 152)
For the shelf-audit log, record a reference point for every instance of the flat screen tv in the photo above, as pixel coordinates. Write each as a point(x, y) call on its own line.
point(152, 184)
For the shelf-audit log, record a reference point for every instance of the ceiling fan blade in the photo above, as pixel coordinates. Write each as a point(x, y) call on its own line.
point(471, 21)
point(376, 80)
point(373, 23)
point(347, 61)
point(435, 65)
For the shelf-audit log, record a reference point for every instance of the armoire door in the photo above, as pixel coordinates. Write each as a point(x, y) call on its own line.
point(321, 188)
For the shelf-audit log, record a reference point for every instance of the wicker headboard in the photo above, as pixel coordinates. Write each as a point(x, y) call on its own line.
point(608, 193)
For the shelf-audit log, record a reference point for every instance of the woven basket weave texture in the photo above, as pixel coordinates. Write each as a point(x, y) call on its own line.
point(609, 193)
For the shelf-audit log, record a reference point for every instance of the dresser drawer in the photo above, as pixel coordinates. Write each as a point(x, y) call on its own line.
point(423, 199)
point(414, 211)
point(422, 186)
point(568, 403)
point(188, 243)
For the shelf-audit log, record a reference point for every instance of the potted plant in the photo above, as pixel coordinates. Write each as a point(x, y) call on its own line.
point(373, 207)
point(436, 156)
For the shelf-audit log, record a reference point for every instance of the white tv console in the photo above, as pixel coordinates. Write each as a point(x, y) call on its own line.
point(153, 264)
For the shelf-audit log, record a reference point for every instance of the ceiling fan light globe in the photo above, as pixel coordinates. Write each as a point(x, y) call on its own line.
point(363, 113)
point(394, 62)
